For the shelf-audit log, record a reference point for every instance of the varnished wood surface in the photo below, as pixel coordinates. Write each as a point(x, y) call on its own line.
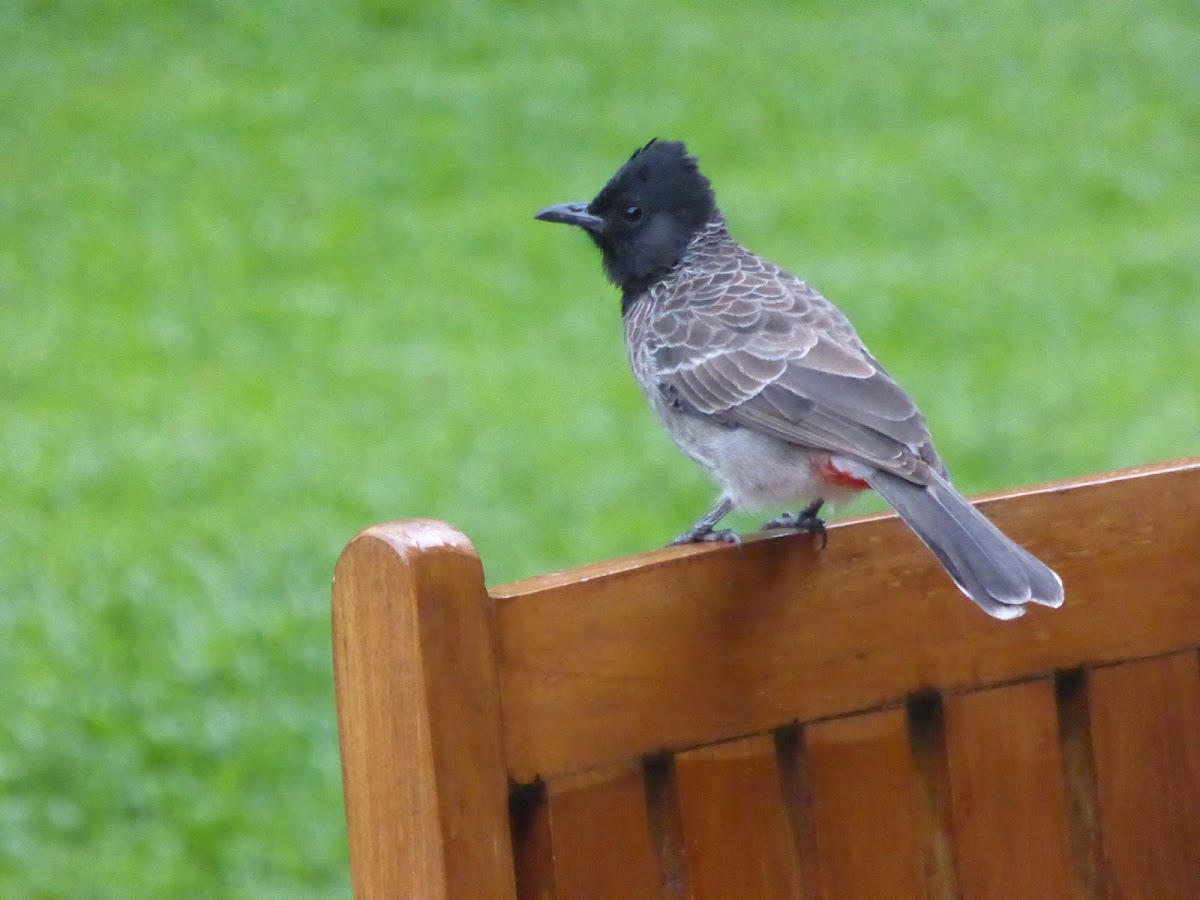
point(1145, 721)
point(1008, 794)
point(735, 826)
point(865, 797)
point(693, 645)
point(419, 718)
point(601, 834)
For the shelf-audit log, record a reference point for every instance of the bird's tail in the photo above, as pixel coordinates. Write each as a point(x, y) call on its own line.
point(987, 566)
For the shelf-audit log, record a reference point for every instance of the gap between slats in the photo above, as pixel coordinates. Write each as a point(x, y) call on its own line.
point(927, 738)
point(791, 759)
point(1079, 778)
point(666, 829)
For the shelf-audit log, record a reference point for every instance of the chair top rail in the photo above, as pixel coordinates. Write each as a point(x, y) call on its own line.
point(688, 646)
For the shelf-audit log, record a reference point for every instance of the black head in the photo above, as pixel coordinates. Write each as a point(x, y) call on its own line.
point(645, 216)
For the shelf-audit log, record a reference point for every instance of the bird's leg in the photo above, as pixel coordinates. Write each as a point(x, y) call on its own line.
point(703, 530)
point(805, 520)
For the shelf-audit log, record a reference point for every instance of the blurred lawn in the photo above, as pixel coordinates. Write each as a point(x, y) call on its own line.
point(268, 275)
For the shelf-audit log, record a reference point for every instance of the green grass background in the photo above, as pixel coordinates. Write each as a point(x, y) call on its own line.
point(268, 275)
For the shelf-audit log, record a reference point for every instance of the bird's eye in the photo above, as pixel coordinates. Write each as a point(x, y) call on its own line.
point(632, 215)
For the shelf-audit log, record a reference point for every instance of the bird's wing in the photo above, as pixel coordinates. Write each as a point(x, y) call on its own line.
point(755, 347)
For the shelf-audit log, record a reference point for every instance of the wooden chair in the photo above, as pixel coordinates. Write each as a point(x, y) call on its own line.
point(780, 720)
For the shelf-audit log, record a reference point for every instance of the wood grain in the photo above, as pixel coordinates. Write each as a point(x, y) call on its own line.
point(1145, 720)
point(601, 835)
point(865, 800)
point(735, 827)
point(743, 641)
point(419, 718)
point(1007, 793)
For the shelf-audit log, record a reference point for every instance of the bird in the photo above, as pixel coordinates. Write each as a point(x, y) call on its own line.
point(767, 385)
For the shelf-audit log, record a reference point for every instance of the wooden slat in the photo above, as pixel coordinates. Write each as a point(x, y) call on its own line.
point(735, 827)
point(1007, 793)
point(865, 800)
point(745, 640)
point(419, 717)
point(602, 843)
point(1145, 720)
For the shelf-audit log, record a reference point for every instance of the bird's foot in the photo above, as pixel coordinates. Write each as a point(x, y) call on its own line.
point(805, 520)
point(699, 534)
point(704, 531)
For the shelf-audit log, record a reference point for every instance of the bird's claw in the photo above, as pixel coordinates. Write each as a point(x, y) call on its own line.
point(707, 535)
point(805, 520)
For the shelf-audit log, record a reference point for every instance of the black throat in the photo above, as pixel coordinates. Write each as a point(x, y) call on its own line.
point(635, 289)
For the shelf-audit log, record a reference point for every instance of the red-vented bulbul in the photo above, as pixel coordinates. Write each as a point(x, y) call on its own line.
point(766, 384)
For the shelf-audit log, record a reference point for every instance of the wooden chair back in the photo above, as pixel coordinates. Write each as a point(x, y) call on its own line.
point(781, 720)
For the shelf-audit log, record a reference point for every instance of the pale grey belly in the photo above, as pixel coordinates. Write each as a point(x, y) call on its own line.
point(755, 471)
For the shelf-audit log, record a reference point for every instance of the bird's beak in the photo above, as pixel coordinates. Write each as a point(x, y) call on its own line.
point(572, 214)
